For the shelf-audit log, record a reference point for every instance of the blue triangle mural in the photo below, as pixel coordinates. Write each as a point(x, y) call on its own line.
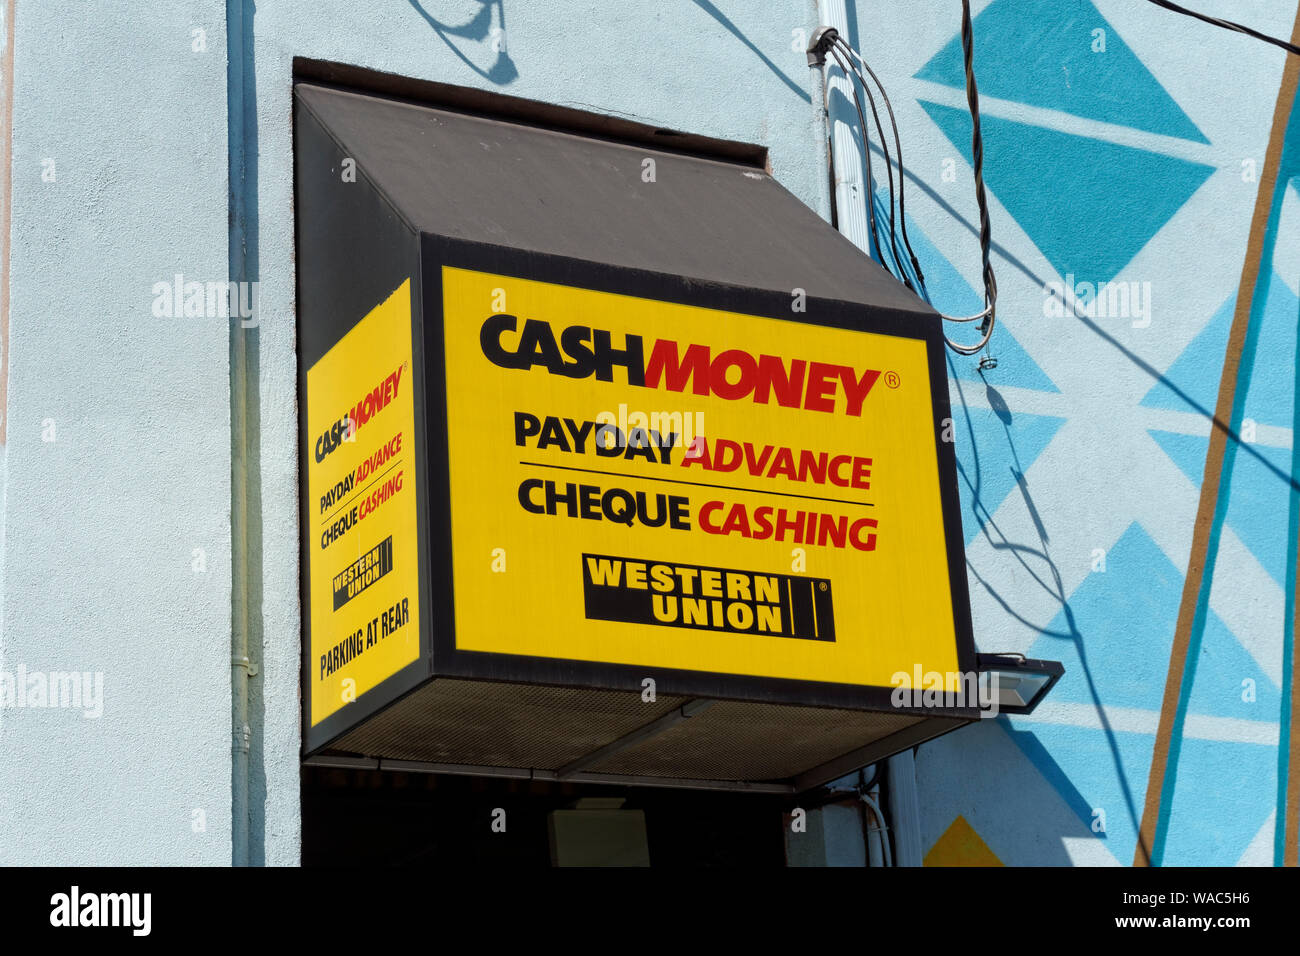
point(1258, 494)
point(1040, 52)
point(1089, 205)
point(1212, 825)
point(993, 448)
point(1139, 594)
point(1191, 384)
point(1186, 451)
point(1109, 771)
point(1270, 396)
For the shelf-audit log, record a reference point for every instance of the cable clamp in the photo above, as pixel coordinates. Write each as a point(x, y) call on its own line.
point(822, 40)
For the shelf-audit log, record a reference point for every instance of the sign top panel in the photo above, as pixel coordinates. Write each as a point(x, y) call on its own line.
point(644, 482)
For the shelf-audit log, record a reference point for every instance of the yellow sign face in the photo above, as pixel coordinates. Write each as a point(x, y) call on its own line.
point(361, 467)
point(647, 483)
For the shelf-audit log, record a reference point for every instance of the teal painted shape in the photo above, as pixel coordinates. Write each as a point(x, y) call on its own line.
point(1186, 451)
point(1258, 494)
point(1191, 383)
point(1270, 395)
point(993, 448)
point(1090, 206)
point(1222, 795)
point(1116, 636)
point(1016, 368)
point(1039, 52)
point(1114, 642)
point(1108, 769)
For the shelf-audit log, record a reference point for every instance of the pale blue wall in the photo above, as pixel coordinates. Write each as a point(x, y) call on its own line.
point(118, 457)
point(101, 524)
point(1087, 437)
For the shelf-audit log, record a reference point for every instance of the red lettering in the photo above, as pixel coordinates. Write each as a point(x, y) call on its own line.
point(820, 396)
point(861, 472)
point(771, 370)
point(838, 462)
point(812, 467)
point(705, 510)
point(756, 466)
point(855, 390)
point(664, 363)
point(722, 386)
point(869, 544)
point(728, 455)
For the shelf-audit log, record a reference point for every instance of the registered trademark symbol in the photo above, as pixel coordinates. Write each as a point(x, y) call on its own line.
point(892, 380)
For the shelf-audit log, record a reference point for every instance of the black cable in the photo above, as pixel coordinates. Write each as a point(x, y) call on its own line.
point(898, 150)
point(981, 200)
point(1229, 25)
point(889, 168)
point(824, 41)
point(866, 148)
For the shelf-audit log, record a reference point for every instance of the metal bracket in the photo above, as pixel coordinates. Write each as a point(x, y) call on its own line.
point(652, 729)
point(244, 662)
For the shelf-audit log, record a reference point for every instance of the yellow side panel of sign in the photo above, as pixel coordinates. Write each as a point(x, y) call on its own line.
point(364, 573)
point(798, 537)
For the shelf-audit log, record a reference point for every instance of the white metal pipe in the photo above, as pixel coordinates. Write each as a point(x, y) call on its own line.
point(904, 809)
point(848, 169)
point(882, 831)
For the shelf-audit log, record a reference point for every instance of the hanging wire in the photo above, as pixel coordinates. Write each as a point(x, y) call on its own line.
point(849, 74)
point(898, 152)
point(1229, 25)
point(866, 142)
point(981, 200)
point(827, 40)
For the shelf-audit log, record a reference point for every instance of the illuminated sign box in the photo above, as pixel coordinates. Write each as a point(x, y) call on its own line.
point(579, 519)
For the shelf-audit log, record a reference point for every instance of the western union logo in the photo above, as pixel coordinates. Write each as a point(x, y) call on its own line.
point(715, 599)
point(363, 572)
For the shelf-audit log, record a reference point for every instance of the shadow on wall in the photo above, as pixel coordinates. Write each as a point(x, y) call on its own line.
point(731, 28)
point(1007, 258)
point(480, 30)
point(483, 33)
point(1037, 562)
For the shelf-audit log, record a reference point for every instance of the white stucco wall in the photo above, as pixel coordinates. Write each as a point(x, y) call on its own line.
point(118, 438)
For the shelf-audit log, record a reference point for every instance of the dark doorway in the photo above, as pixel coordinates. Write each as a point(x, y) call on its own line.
point(389, 818)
